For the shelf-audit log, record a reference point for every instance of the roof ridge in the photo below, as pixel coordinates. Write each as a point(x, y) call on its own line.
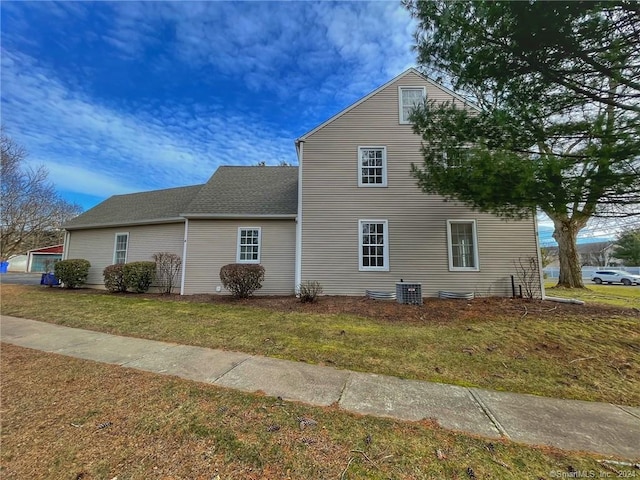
point(158, 190)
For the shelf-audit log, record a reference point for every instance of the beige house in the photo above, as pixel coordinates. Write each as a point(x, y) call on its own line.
point(349, 216)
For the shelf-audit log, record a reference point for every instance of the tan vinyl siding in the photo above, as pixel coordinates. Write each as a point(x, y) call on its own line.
point(213, 244)
point(333, 203)
point(97, 245)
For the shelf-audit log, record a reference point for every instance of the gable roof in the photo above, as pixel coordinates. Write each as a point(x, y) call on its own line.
point(231, 192)
point(382, 87)
point(50, 249)
point(247, 191)
point(157, 206)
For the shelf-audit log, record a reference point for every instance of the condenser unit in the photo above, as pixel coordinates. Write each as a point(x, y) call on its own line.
point(409, 293)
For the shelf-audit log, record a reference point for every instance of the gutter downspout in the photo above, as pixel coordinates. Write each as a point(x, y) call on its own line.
point(184, 255)
point(65, 245)
point(298, 259)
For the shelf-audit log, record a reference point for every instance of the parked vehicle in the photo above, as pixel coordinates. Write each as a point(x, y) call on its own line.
point(615, 276)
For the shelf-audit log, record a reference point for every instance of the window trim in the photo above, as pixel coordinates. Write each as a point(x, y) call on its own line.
point(476, 267)
point(401, 121)
point(385, 251)
point(384, 165)
point(238, 245)
point(115, 246)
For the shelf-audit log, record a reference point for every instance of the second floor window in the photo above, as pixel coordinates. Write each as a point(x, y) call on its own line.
point(456, 157)
point(372, 166)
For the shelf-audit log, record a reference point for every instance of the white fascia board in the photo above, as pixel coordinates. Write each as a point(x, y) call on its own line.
point(234, 216)
point(124, 224)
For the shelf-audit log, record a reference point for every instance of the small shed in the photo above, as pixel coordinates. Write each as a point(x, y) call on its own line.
point(41, 260)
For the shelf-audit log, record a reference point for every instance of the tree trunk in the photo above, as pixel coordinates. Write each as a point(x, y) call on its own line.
point(566, 234)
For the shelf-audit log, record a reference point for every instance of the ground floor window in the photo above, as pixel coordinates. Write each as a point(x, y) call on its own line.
point(462, 245)
point(374, 245)
point(248, 245)
point(120, 249)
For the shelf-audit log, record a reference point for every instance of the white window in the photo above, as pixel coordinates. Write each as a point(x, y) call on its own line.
point(120, 248)
point(463, 245)
point(248, 245)
point(374, 245)
point(409, 97)
point(455, 158)
point(372, 166)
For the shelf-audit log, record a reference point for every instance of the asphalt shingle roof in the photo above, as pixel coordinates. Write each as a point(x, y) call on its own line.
point(248, 191)
point(230, 191)
point(137, 208)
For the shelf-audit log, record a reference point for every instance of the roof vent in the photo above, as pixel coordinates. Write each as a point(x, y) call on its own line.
point(409, 293)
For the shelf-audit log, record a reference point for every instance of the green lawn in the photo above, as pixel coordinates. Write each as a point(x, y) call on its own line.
point(66, 418)
point(529, 349)
point(617, 295)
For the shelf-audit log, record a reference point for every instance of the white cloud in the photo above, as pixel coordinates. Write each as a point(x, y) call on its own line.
point(87, 181)
point(309, 59)
point(169, 146)
point(348, 48)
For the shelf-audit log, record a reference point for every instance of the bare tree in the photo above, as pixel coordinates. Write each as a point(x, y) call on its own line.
point(31, 212)
point(167, 269)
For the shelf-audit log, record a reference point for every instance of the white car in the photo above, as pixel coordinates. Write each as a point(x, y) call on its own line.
point(615, 276)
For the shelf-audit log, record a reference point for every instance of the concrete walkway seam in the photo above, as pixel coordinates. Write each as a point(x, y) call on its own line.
point(633, 414)
point(215, 380)
point(342, 390)
point(487, 411)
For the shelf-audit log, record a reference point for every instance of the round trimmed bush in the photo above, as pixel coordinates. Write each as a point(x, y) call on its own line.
point(242, 279)
point(114, 278)
point(72, 272)
point(138, 276)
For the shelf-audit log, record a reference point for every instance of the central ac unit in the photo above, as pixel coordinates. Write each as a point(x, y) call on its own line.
point(409, 293)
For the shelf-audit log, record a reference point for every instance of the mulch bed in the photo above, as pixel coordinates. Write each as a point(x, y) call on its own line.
point(433, 309)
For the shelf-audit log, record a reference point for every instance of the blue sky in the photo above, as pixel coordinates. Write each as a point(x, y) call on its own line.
point(119, 97)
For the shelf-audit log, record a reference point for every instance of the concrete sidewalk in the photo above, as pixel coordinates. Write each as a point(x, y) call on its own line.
point(568, 424)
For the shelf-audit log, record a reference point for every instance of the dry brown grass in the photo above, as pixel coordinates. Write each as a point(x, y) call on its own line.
point(65, 418)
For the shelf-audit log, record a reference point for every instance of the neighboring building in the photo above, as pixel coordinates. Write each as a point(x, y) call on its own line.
point(594, 254)
point(17, 263)
point(350, 216)
point(41, 260)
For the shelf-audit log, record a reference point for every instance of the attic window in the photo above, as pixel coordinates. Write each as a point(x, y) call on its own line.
point(409, 98)
point(248, 245)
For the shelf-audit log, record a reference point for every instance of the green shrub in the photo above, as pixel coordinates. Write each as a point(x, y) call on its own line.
point(114, 278)
point(72, 272)
point(138, 276)
point(242, 279)
point(308, 291)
